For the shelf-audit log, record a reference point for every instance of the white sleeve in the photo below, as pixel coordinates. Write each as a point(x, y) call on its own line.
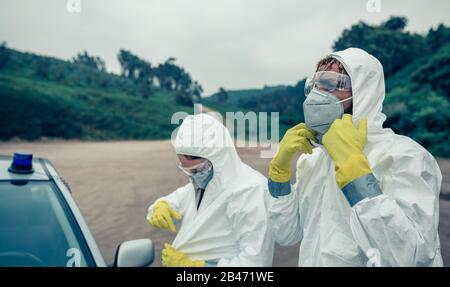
point(175, 199)
point(401, 224)
point(284, 218)
point(248, 216)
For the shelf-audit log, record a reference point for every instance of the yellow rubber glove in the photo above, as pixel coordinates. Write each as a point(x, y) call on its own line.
point(295, 139)
point(172, 257)
point(162, 216)
point(345, 143)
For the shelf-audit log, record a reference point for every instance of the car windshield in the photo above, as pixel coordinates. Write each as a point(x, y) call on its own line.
point(37, 228)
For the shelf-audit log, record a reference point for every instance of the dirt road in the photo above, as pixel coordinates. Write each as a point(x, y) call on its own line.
point(114, 182)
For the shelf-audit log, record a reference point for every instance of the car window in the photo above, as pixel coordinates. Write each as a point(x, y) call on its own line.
point(37, 228)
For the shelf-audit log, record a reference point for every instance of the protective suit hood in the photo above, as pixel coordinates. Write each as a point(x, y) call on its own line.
point(202, 135)
point(367, 76)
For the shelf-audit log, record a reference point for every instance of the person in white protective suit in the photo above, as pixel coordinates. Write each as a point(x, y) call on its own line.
point(363, 195)
point(221, 212)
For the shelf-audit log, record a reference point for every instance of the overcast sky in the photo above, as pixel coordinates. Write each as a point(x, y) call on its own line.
point(231, 43)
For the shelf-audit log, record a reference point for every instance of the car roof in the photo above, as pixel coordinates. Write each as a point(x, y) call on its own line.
point(45, 171)
point(40, 170)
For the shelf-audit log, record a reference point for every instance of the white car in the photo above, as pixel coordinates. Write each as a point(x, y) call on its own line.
point(41, 225)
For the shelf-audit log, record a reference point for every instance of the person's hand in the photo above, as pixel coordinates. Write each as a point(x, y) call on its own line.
point(345, 143)
point(162, 216)
point(296, 139)
point(172, 257)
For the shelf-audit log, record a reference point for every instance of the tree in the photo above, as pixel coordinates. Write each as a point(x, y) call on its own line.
point(438, 38)
point(189, 91)
point(395, 23)
point(388, 42)
point(197, 91)
point(174, 78)
point(168, 76)
point(129, 64)
point(89, 61)
point(4, 55)
point(138, 70)
point(436, 71)
point(144, 78)
point(223, 95)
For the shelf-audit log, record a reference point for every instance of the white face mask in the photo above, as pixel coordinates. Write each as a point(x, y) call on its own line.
point(321, 109)
point(200, 174)
point(201, 179)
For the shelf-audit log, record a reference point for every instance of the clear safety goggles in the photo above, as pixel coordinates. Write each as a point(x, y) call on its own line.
point(190, 171)
point(329, 81)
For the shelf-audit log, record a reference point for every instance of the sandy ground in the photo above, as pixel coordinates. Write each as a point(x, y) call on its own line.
point(114, 183)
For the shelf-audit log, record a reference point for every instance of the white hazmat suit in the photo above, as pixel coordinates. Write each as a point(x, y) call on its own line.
point(400, 226)
point(231, 225)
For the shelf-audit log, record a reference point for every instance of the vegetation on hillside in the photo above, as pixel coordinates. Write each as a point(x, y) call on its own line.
point(77, 99)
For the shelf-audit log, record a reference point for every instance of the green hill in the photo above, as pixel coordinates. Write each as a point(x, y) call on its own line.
point(240, 97)
point(46, 97)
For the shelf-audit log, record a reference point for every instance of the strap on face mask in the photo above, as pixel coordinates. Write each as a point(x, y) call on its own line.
point(344, 100)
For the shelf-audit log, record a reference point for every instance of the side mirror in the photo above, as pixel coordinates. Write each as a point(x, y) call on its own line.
point(135, 253)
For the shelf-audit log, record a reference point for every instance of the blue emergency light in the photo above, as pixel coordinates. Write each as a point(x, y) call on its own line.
point(22, 163)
